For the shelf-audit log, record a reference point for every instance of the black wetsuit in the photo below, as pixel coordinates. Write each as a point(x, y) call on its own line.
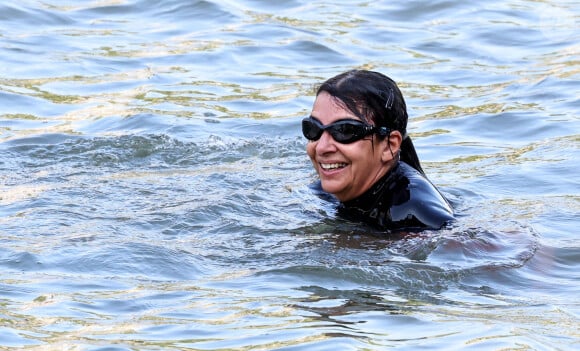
point(402, 200)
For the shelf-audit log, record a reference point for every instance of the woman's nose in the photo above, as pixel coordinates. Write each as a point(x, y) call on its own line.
point(326, 143)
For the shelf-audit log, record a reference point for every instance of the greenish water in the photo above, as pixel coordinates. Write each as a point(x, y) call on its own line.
point(154, 184)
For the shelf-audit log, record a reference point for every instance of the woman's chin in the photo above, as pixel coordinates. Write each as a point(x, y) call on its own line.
point(332, 187)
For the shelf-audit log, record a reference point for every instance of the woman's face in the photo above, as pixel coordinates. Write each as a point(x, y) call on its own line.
point(345, 170)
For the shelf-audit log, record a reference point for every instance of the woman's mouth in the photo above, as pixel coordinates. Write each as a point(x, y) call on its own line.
point(332, 166)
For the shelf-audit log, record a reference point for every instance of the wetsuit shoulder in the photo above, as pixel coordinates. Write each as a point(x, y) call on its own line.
point(403, 199)
point(423, 205)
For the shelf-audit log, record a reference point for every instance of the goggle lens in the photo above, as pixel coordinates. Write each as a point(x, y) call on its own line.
point(344, 131)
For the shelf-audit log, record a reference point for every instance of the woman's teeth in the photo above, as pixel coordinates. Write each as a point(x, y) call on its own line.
point(331, 166)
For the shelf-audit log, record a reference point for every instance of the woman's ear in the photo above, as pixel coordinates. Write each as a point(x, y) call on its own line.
point(391, 146)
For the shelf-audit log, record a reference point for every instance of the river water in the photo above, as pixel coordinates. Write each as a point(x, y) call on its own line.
point(154, 183)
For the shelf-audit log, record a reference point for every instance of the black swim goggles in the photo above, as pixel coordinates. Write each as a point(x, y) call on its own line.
point(344, 131)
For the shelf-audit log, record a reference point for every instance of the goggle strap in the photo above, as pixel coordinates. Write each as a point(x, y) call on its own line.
point(383, 131)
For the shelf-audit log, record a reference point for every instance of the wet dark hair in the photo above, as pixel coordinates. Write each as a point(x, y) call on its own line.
point(376, 99)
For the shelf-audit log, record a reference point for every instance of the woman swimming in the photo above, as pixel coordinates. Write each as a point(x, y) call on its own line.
point(360, 149)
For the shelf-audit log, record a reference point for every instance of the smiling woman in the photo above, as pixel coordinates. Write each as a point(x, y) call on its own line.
point(359, 146)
